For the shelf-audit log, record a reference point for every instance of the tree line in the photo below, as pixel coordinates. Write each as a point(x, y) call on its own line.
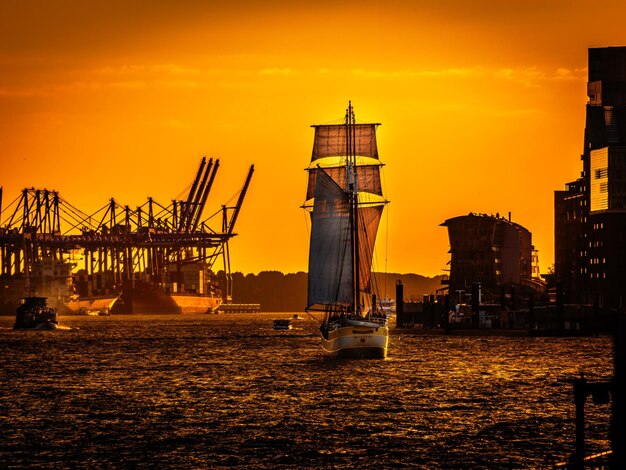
point(278, 292)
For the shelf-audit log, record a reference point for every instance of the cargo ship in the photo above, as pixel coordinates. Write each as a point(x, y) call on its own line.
point(67, 293)
point(187, 288)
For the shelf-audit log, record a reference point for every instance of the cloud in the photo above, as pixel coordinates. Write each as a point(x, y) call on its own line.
point(98, 85)
point(419, 73)
point(451, 72)
point(276, 71)
point(175, 76)
point(23, 92)
point(526, 76)
point(172, 69)
point(179, 83)
point(130, 85)
point(567, 74)
point(533, 77)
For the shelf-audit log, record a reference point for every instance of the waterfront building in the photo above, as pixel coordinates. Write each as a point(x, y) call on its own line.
point(494, 251)
point(570, 243)
point(590, 215)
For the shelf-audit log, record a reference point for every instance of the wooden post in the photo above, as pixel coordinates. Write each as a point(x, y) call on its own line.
point(596, 315)
point(560, 316)
point(446, 314)
point(531, 312)
point(475, 304)
point(399, 304)
point(618, 431)
point(431, 305)
point(580, 395)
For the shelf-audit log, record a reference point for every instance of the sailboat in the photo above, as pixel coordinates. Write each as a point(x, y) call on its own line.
point(345, 198)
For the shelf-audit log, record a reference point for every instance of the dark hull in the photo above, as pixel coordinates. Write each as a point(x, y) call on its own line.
point(148, 300)
point(35, 314)
point(37, 326)
point(362, 353)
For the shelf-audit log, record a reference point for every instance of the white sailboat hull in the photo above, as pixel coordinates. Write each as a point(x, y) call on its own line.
point(360, 341)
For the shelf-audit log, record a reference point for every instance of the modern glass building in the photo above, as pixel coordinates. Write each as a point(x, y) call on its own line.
point(590, 215)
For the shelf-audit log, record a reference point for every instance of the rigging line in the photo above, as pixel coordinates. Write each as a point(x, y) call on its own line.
point(16, 222)
point(340, 121)
point(217, 212)
point(307, 220)
point(233, 197)
point(9, 206)
point(383, 188)
point(373, 262)
point(99, 210)
point(169, 210)
point(184, 191)
point(237, 193)
point(66, 216)
point(71, 213)
point(68, 209)
point(67, 203)
point(386, 248)
point(313, 317)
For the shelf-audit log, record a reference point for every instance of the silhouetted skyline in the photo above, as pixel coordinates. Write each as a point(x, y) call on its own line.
point(480, 105)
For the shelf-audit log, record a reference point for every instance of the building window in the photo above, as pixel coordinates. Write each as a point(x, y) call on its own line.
point(608, 116)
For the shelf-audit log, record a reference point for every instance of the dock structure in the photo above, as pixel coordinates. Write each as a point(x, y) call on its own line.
point(239, 308)
point(49, 245)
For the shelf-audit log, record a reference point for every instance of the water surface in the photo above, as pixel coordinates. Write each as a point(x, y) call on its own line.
point(209, 391)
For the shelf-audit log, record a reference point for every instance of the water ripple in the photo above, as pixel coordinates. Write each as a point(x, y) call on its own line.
point(223, 391)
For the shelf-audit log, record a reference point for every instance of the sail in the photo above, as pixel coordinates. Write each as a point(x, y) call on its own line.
point(330, 141)
point(329, 152)
point(369, 218)
point(367, 176)
point(330, 257)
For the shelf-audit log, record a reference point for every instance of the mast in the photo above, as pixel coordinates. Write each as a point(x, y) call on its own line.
point(354, 202)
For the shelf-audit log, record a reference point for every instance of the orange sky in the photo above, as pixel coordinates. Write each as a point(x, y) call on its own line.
point(482, 106)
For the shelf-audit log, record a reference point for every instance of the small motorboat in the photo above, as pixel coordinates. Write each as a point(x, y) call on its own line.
point(282, 325)
point(35, 314)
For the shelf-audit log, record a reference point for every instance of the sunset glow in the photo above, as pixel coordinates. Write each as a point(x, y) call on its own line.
point(482, 107)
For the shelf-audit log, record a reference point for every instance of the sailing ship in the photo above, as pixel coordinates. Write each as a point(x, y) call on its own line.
point(345, 198)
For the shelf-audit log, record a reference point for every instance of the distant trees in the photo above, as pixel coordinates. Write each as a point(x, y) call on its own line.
point(275, 291)
point(278, 292)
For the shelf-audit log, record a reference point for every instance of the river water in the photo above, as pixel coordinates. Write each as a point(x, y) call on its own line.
point(211, 391)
